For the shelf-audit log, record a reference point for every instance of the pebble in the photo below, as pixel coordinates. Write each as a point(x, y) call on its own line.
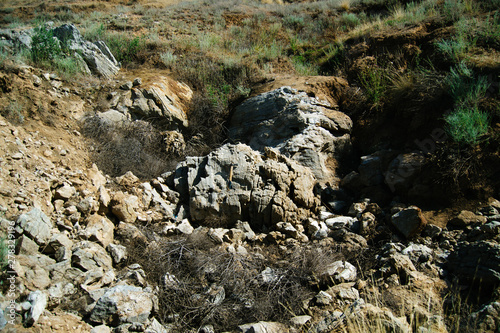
point(17, 156)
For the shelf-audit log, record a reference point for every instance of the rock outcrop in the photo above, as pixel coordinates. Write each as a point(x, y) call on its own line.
point(240, 183)
point(302, 128)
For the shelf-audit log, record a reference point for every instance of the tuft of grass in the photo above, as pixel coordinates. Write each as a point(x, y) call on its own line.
point(467, 125)
point(168, 58)
point(374, 82)
point(464, 87)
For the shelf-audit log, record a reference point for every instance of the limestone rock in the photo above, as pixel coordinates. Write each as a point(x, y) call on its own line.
point(263, 327)
point(38, 301)
point(466, 218)
point(36, 225)
point(65, 192)
point(477, 261)
point(123, 304)
point(117, 252)
point(99, 229)
point(267, 189)
point(339, 271)
point(97, 56)
point(125, 207)
point(403, 170)
point(309, 131)
point(89, 256)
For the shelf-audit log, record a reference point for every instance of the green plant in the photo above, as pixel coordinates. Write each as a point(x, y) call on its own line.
point(94, 32)
point(168, 58)
point(304, 67)
point(124, 47)
point(44, 46)
point(68, 67)
point(464, 87)
point(374, 82)
point(349, 21)
point(467, 125)
point(452, 49)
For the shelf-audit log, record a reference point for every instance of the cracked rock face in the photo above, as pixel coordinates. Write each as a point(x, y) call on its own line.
point(308, 131)
point(239, 183)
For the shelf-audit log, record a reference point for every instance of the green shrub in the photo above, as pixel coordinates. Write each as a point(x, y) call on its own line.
point(452, 49)
point(294, 22)
point(467, 125)
point(349, 21)
point(464, 87)
point(374, 83)
point(304, 67)
point(168, 58)
point(124, 47)
point(68, 67)
point(44, 46)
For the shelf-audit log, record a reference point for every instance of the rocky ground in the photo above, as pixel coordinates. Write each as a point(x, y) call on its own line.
point(286, 227)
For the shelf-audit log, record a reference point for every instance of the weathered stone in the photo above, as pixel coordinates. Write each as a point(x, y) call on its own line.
point(339, 271)
point(125, 207)
point(323, 298)
point(409, 221)
point(36, 225)
point(101, 329)
point(58, 241)
point(466, 218)
point(38, 302)
point(26, 246)
point(367, 223)
point(97, 56)
point(99, 229)
point(250, 191)
point(300, 320)
point(263, 327)
point(123, 304)
point(89, 256)
point(65, 192)
point(117, 252)
point(297, 125)
point(185, 227)
point(340, 222)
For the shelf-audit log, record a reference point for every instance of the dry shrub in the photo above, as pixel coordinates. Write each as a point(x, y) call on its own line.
point(197, 265)
point(135, 146)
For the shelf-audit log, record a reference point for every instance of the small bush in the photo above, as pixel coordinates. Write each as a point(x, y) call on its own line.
point(129, 146)
point(467, 125)
point(124, 47)
point(349, 21)
point(13, 112)
point(168, 58)
point(452, 49)
point(44, 46)
point(464, 87)
point(374, 82)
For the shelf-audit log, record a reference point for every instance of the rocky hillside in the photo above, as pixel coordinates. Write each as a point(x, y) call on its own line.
point(339, 173)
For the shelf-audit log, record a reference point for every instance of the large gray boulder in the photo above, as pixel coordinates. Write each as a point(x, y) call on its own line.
point(97, 56)
point(36, 225)
point(264, 189)
point(123, 304)
point(300, 127)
